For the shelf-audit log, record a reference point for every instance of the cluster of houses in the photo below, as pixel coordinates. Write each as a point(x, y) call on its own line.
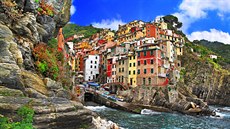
point(137, 54)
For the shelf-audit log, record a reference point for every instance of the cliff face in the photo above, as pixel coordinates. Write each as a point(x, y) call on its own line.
point(23, 24)
point(212, 84)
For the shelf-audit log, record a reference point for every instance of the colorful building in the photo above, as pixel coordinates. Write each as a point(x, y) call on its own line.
point(151, 30)
point(148, 65)
point(122, 70)
point(131, 31)
point(91, 70)
point(132, 69)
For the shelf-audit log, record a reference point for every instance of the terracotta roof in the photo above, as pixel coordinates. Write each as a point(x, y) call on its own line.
point(110, 44)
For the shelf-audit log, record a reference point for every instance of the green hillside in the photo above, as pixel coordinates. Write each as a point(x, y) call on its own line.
point(71, 29)
point(221, 49)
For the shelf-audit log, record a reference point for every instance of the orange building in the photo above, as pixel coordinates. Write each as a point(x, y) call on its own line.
point(151, 30)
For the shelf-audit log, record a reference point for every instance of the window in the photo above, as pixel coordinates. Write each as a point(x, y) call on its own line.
point(123, 62)
point(139, 63)
point(139, 54)
point(145, 62)
point(144, 53)
point(95, 67)
point(91, 66)
point(91, 72)
point(134, 64)
point(129, 72)
point(134, 72)
point(122, 79)
point(113, 73)
point(119, 62)
point(96, 57)
point(122, 69)
point(138, 71)
point(130, 58)
point(151, 52)
point(130, 64)
point(152, 70)
point(150, 81)
point(91, 61)
point(143, 81)
point(145, 71)
point(134, 57)
point(95, 62)
point(119, 70)
point(152, 61)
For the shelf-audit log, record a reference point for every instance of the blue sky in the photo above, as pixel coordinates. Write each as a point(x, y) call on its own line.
point(202, 19)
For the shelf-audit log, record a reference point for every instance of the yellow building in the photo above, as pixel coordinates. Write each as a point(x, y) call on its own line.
point(179, 48)
point(109, 36)
point(163, 26)
point(132, 69)
point(131, 31)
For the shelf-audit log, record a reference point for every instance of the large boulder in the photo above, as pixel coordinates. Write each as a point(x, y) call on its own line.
point(4, 91)
point(48, 24)
point(55, 113)
point(52, 85)
point(10, 76)
point(27, 27)
point(33, 81)
point(32, 93)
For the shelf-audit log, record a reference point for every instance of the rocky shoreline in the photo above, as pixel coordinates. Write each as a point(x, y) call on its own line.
point(189, 107)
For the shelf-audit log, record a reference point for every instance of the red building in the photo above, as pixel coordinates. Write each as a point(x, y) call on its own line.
point(109, 68)
point(151, 30)
point(148, 65)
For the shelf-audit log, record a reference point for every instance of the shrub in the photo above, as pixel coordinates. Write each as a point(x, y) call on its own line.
point(45, 9)
point(36, 1)
point(26, 115)
point(47, 62)
point(53, 43)
point(42, 67)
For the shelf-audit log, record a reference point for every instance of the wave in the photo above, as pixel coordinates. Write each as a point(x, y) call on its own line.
point(226, 109)
point(149, 112)
point(220, 115)
point(96, 108)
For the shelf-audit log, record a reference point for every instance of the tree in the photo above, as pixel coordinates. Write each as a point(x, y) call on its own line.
point(172, 22)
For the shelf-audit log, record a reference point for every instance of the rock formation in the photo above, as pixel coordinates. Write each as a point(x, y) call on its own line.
point(204, 80)
point(21, 28)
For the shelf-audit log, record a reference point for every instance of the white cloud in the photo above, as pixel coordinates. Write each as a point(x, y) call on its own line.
point(221, 15)
point(212, 35)
point(193, 10)
point(72, 9)
point(107, 23)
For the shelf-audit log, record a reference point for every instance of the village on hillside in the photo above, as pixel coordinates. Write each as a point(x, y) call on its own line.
point(138, 54)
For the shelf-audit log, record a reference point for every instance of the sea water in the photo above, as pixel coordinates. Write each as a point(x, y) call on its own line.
point(159, 120)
